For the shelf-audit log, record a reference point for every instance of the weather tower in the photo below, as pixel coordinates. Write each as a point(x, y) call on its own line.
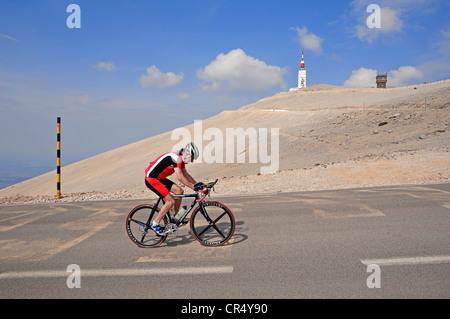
point(302, 74)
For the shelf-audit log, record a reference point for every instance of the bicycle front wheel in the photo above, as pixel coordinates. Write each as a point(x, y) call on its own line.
point(212, 224)
point(138, 225)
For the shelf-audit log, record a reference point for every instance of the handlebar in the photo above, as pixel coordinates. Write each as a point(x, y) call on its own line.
point(206, 189)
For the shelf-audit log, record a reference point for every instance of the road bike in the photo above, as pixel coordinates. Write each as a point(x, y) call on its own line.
point(211, 223)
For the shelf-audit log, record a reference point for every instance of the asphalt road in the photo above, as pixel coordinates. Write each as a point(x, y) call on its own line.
point(390, 242)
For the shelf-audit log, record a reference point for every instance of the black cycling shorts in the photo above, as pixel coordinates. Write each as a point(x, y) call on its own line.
point(160, 187)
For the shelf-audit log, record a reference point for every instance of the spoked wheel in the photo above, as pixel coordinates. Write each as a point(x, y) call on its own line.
point(212, 225)
point(138, 225)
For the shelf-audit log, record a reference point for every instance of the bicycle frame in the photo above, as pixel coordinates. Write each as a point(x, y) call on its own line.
point(197, 199)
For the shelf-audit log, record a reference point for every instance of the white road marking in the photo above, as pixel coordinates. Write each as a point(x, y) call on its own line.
point(401, 261)
point(119, 272)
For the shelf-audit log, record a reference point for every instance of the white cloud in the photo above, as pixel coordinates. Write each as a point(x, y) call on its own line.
point(85, 99)
point(394, 16)
point(236, 71)
point(367, 77)
point(390, 23)
point(309, 40)
point(105, 66)
point(362, 78)
point(436, 64)
point(183, 96)
point(404, 75)
point(8, 37)
point(390, 20)
point(446, 33)
point(155, 77)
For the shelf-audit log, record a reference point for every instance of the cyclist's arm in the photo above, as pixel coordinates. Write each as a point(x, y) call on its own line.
point(188, 176)
point(184, 177)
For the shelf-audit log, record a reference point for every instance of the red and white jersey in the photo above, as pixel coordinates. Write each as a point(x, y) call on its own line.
point(164, 166)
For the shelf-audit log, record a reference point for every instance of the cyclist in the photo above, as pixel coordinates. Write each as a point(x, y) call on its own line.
point(156, 180)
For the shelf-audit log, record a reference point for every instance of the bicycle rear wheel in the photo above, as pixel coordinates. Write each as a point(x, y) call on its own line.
point(138, 225)
point(212, 224)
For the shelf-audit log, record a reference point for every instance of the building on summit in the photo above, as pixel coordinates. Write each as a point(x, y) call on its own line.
point(381, 80)
point(301, 76)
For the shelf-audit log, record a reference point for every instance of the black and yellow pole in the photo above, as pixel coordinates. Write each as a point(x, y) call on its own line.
point(58, 158)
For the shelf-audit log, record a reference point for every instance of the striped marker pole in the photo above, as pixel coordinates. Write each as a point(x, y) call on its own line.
point(58, 158)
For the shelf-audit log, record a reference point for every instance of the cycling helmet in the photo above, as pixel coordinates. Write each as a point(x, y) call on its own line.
point(190, 151)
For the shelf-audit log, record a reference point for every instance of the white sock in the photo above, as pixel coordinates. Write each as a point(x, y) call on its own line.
point(154, 223)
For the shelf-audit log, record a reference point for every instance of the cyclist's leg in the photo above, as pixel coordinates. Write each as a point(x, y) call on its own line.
point(169, 201)
point(177, 190)
point(174, 189)
point(161, 190)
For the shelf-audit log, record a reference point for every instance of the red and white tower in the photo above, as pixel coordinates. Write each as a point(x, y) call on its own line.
point(302, 74)
point(302, 65)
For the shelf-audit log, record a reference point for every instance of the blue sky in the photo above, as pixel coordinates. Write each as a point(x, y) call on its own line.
point(138, 68)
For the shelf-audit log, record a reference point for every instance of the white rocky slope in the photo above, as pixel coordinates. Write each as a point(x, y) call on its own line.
point(329, 137)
